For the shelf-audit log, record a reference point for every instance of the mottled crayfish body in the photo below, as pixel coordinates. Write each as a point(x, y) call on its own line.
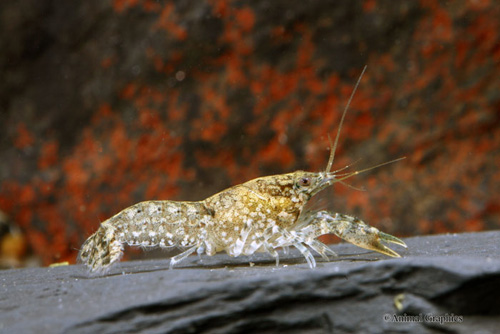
point(162, 223)
point(235, 220)
point(260, 215)
point(243, 214)
point(146, 224)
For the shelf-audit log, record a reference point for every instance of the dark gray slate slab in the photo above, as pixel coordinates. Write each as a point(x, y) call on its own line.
point(456, 275)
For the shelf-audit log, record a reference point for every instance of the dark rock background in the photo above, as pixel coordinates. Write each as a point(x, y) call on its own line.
point(107, 103)
point(443, 276)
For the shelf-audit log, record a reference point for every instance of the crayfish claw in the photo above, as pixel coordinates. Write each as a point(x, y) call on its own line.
point(372, 239)
point(378, 246)
point(357, 232)
point(392, 239)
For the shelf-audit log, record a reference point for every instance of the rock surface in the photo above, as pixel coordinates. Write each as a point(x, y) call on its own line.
point(452, 275)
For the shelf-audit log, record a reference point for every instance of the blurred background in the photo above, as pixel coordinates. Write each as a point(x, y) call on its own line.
point(107, 103)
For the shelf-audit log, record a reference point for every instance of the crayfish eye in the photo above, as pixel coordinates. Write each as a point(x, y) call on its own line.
point(304, 181)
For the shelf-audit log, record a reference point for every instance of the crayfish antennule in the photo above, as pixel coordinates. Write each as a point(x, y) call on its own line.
point(369, 168)
point(332, 155)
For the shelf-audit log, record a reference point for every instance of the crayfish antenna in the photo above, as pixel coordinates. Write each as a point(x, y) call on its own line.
point(333, 146)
